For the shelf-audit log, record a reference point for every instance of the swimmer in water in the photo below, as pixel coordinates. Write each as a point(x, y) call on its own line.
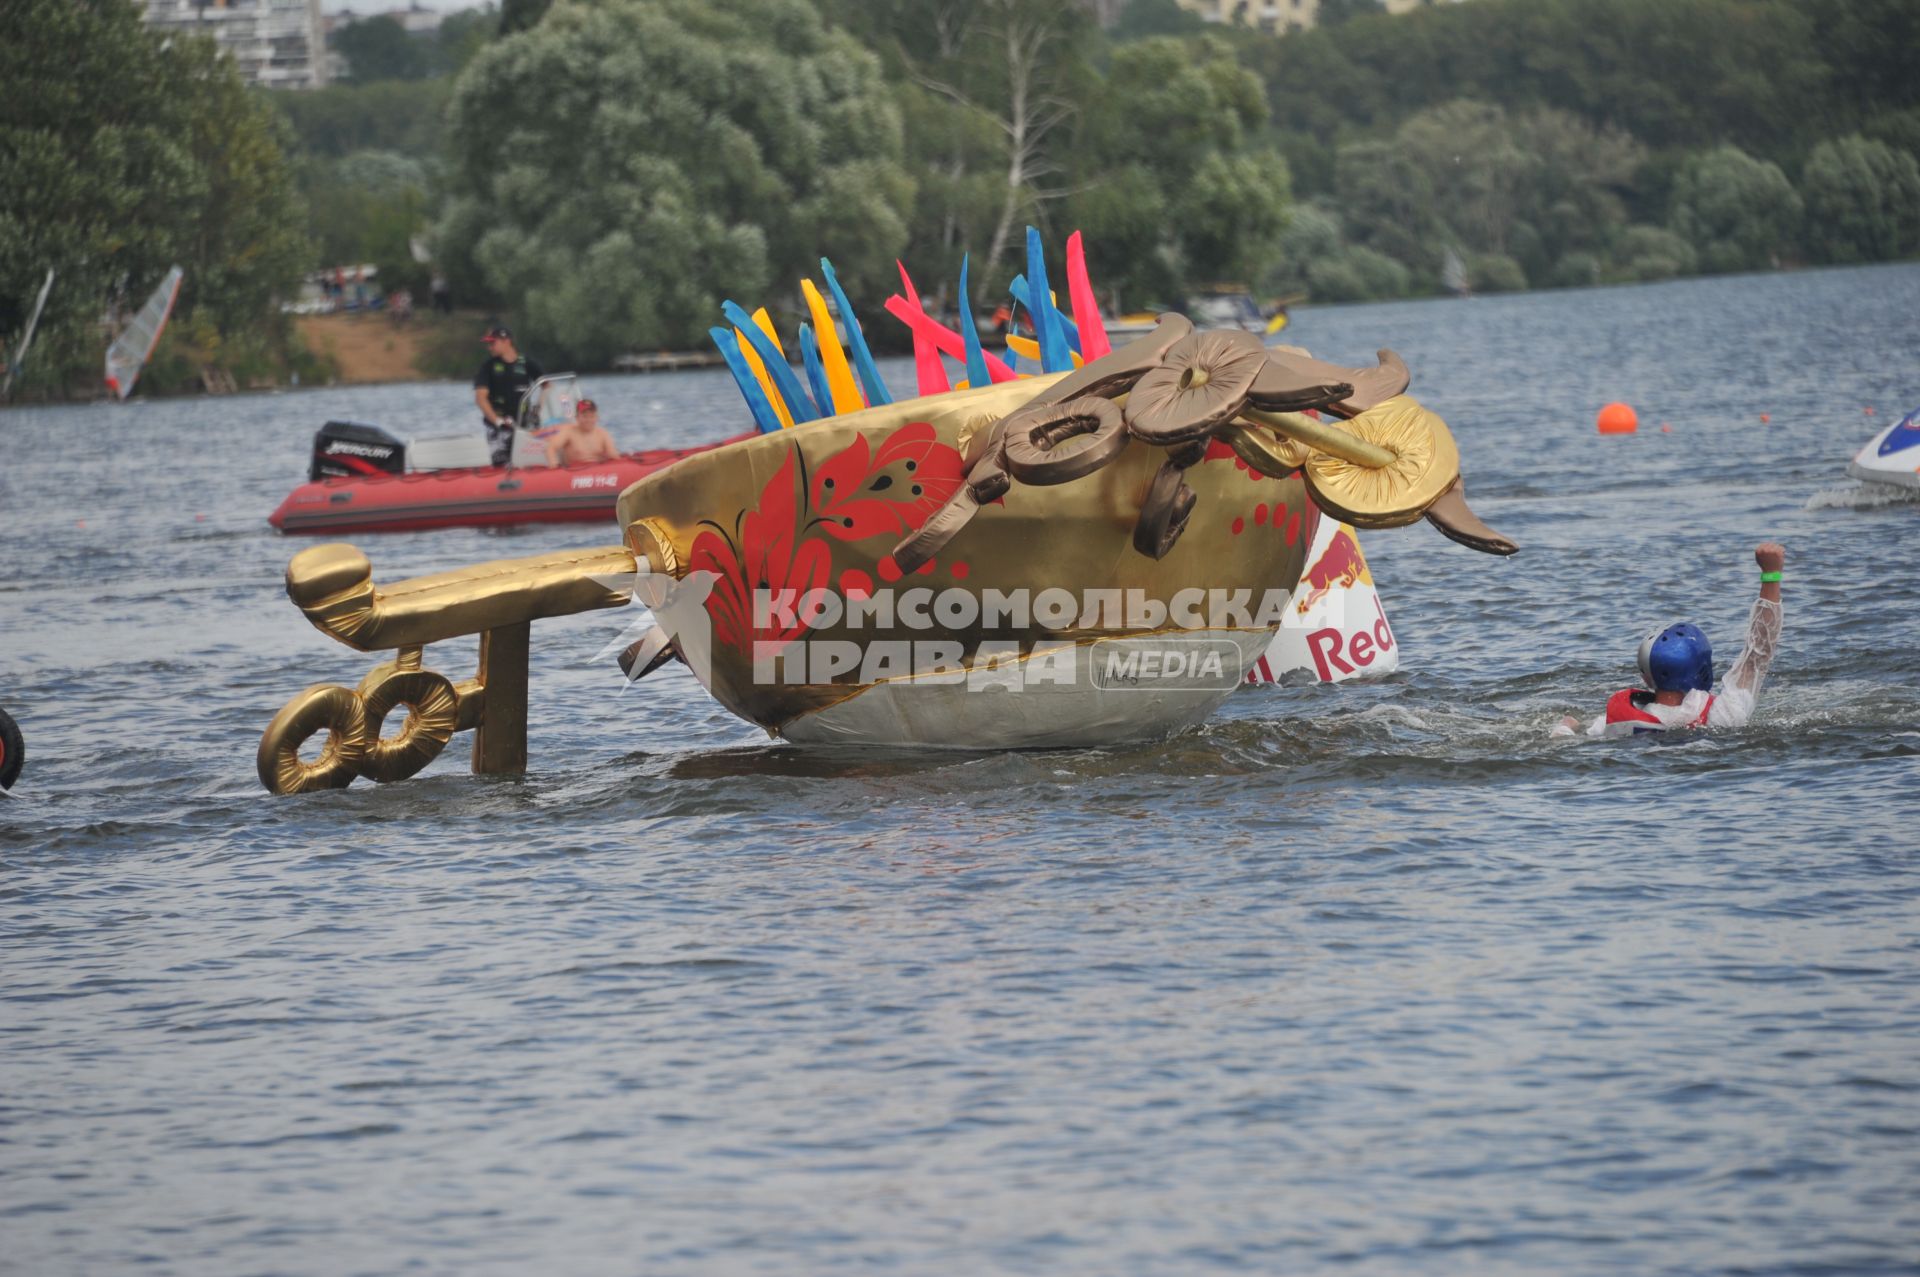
point(1676, 664)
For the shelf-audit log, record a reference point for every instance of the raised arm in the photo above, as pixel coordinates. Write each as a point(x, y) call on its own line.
point(1763, 623)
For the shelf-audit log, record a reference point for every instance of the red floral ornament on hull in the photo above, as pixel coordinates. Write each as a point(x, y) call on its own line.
point(770, 555)
point(855, 494)
point(895, 492)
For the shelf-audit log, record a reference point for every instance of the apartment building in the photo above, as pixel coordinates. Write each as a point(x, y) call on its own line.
point(1279, 15)
point(280, 44)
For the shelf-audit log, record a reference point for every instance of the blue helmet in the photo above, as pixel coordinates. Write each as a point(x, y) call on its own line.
point(1677, 659)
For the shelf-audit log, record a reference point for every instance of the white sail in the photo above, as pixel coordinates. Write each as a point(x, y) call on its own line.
point(134, 346)
point(1453, 275)
point(20, 354)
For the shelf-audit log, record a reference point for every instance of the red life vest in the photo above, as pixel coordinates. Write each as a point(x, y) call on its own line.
point(1625, 706)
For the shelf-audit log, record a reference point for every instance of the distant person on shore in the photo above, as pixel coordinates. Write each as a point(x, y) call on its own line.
point(442, 295)
point(582, 440)
point(499, 386)
point(1676, 664)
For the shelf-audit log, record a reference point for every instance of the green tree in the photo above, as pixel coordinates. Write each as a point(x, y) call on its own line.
point(1177, 186)
point(682, 151)
point(1358, 274)
point(393, 115)
point(1669, 72)
point(990, 90)
point(1862, 201)
point(1739, 213)
point(461, 35)
point(380, 49)
point(522, 15)
point(1143, 19)
point(1335, 13)
point(367, 207)
point(1646, 253)
point(178, 162)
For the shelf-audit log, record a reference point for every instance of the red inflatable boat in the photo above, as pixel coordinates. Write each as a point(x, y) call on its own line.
point(467, 497)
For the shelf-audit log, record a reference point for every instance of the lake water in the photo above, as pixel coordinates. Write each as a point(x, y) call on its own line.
point(1371, 978)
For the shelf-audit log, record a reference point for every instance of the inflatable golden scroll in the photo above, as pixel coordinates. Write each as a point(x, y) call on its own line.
point(499, 601)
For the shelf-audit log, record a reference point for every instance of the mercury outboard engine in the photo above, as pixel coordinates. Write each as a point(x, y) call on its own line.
point(351, 448)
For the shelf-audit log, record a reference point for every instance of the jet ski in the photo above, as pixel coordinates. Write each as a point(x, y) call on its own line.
point(1892, 457)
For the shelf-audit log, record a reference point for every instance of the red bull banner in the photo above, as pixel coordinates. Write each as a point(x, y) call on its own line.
point(1336, 628)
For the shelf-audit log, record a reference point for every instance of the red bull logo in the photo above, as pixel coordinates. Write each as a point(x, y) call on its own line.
point(1333, 650)
point(1341, 565)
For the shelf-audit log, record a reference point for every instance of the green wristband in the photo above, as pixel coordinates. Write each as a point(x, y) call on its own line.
point(1770, 578)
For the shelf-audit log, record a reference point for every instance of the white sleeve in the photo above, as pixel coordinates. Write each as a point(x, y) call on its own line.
point(1733, 707)
point(1599, 727)
point(1763, 641)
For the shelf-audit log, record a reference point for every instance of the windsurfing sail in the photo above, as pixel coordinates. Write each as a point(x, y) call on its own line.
point(1453, 275)
point(26, 340)
point(134, 346)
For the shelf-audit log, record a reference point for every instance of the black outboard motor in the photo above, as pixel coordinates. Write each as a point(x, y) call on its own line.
point(351, 448)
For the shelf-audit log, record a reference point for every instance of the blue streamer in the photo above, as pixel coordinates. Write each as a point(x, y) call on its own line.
point(800, 404)
point(856, 341)
point(816, 371)
point(757, 402)
point(1067, 326)
point(977, 375)
point(1046, 317)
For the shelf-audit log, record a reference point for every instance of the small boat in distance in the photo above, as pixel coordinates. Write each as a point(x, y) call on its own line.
point(1453, 275)
point(1221, 306)
point(362, 478)
point(134, 346)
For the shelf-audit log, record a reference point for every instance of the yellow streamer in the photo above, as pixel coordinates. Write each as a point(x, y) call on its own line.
point(1028, 348)
point(780, 408)
point(840, 383)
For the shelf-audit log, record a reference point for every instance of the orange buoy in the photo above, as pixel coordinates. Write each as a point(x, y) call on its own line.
point(1765, 418)
point(1665, 429)
point(1618, 419)
point(1868, 411)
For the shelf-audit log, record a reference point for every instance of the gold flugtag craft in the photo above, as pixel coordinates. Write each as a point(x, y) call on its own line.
point(1178, 468)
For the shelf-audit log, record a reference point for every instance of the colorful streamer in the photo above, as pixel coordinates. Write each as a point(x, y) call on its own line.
point(942, 340)
point(1093, 341)
point(877, 392)
point(838, 378)
point(815, 369)
point(1046, 319)
point(927, 368)
point(757, 331)
point(970, 333)
point(743, 376)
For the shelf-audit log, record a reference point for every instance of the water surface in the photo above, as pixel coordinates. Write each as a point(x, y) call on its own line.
point(1372, 978)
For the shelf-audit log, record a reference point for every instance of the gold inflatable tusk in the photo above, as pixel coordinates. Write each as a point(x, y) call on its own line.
point(333, 585)
point(1322, 436)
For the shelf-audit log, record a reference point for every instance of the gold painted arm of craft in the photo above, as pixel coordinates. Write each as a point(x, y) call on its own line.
point(1324, 437)
point(333, 585)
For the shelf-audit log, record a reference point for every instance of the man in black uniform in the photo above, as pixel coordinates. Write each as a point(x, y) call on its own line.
point(499, 387)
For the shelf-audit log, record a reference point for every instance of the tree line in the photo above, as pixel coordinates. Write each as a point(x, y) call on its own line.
point(605, 171)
